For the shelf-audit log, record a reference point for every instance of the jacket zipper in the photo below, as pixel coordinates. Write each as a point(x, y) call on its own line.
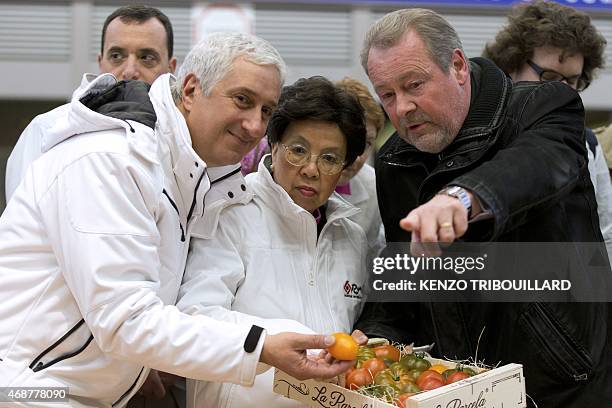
point(312, 298)
point(316, 274)
point(37, 365)
point(579, 358)
point(177, 212)
point(129, 389)
point(195, 194)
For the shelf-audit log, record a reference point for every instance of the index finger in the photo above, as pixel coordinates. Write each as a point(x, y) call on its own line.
point(359, 337)
point(411, 222)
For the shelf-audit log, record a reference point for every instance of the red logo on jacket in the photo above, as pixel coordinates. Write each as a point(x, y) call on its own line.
point(352, 290)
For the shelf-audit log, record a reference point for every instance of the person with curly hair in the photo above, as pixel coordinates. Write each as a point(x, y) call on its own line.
point(547, 41)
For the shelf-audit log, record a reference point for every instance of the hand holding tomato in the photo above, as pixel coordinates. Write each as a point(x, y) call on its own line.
point(346, 346)
point(287, 351)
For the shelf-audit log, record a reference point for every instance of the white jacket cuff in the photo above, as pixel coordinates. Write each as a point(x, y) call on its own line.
point(251, 365)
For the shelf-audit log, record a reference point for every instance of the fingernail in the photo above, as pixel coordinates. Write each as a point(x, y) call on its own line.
point(329, 340)
point(362, 339)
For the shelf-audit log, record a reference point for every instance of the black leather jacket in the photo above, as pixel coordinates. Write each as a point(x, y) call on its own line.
point(522, 151)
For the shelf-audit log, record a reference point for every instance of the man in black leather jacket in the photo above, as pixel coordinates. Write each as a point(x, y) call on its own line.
point(479, 158)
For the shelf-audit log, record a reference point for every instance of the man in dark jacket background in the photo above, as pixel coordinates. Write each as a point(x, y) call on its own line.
point(479, 159)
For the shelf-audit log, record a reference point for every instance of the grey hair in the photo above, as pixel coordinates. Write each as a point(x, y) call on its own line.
point(439, 36)
point(211, 59)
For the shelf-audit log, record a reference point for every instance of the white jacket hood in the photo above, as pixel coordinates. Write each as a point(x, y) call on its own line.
point(79, 118)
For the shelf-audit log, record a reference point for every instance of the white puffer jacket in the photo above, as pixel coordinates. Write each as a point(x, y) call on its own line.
point(263, 261)
point(363, 196)
point(92, 252)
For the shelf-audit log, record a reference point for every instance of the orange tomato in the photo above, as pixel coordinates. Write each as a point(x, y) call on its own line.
point(387, 352)
point(441, 368)
point(358, 378)
point(374, 365)
point(345, 348)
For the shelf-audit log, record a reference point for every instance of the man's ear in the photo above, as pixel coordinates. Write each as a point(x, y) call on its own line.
point(460, 66)
point(172, 65)
point(189, 90)
point(99, 62)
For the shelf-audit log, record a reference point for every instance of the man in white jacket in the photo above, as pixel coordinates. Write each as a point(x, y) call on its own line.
point(94, 241)
point(137, 43)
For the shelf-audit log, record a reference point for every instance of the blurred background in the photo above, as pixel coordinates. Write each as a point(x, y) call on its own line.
point(46, 46)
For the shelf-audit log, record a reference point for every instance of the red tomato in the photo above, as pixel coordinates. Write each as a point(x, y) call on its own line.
point(358, 378)
point(401, 400)
point(374, 365)
point(458, 376)
point(387, 352)
point(345, 348)
point(431, 383)
point(429, 374)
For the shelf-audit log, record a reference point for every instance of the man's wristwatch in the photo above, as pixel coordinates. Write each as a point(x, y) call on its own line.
point(461, 194)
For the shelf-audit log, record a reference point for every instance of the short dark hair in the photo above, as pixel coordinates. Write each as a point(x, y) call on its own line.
point(140, 14)
point(317, 98)
point(544, 23)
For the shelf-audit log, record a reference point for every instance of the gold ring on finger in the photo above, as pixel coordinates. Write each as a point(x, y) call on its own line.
point(446, 225)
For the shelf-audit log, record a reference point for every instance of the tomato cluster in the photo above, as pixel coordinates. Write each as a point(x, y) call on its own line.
point(384, 373)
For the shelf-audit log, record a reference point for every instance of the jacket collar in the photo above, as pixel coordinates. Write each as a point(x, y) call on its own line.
point(227, 188)
point(270, 191)
point(188, 168)
point(490, 93)
point(227, 185)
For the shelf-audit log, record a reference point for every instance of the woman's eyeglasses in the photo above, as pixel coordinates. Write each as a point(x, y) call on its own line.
point(578, 82)
point(327, 163)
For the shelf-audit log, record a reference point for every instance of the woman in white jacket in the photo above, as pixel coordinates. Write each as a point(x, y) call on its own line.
point(292, 252)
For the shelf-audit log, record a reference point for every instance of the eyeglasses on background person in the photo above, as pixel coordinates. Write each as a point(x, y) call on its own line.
point(578, 82)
